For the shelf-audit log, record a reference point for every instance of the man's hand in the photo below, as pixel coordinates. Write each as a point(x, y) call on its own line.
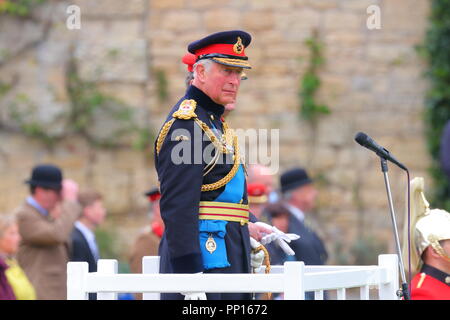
point(256, 259)
point(69, 190)
point(281, 238)
point(258, 230)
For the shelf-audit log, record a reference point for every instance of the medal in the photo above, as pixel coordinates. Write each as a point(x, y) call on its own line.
point(210, 244)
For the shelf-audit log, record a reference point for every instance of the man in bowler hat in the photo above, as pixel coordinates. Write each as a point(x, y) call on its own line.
point(299, 197)
point(204, 203)
point(45, 222)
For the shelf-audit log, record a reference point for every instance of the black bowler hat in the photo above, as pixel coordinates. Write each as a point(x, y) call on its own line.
point(227, 48)
point(46, 176)
point(294, 178)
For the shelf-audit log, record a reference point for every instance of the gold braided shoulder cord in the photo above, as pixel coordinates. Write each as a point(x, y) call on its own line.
point(229, 176)
point(162, 135)
point(219, 146)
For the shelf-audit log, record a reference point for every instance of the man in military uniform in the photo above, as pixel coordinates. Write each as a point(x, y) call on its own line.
point(430, 237)
point(202, 180)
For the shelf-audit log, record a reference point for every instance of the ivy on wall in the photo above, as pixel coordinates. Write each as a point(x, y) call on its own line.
point(310, 82)
point(102, 120)
point(21, 8)
point(436, 50)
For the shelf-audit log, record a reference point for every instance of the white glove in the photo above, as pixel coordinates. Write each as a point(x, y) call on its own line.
point(194, 295)
point(256, 259)
point(281, 238)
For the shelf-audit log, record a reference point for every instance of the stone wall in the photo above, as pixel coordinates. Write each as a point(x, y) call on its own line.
point(372, 82)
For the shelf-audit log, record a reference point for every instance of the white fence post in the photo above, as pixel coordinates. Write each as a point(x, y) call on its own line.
point(107, 266)
point(388, 291)
point(76, 280)
point(150, 265)
point(294, 280)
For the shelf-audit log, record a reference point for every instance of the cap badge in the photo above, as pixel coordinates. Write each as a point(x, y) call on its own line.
point(238, 46)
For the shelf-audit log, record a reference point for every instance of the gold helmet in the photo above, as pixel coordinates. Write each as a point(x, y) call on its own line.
point(427, 227)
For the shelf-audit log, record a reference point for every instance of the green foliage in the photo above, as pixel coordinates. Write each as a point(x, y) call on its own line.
point(366, 250)
point(107, 241)
point(162, 85)
point(310, 83)
point(103, 121)
point(21, 8)
point(435, 50)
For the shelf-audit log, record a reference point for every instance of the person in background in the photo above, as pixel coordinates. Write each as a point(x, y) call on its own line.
point(15, 276)
point(45, 222)
point(258, 173)
point(430, 247)
point(299, 198)
point(445, 150)
point(84, 245)
point(257, 200)
point(148, 240)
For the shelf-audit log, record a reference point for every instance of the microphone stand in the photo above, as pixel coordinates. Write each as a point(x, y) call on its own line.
point(403, 292)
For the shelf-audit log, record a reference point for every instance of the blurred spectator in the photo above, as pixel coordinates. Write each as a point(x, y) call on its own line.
point(279, 217)
point(258, 173)
point(84, 245)
point(45, 222)
point(299, 197)
point(257, 200)
point(147, 242)
point(445, 149)
point(16, 277)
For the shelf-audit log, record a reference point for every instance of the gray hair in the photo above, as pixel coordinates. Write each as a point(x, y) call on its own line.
point(5, 222)
point(205, 63)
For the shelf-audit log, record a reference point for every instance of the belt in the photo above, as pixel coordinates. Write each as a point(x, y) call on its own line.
point(212, 210)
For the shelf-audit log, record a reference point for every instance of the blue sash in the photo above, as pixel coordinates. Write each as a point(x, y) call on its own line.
point(233, 193)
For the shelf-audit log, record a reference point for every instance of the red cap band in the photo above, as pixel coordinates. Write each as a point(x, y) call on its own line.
point(222, 48)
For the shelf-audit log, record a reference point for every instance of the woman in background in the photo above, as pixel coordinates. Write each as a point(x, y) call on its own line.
point(14, 283)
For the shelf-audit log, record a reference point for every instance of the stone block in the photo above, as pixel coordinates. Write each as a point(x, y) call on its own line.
point(110, 8)
point(256, 21)
point(221, 19)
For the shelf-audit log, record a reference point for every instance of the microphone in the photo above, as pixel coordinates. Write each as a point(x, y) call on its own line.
point(367, 142)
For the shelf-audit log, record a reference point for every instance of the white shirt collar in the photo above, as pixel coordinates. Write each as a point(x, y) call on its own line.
point(89, 236)
point(296, 212)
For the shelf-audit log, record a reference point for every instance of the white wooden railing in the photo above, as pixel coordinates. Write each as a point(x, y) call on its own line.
point(293, 279)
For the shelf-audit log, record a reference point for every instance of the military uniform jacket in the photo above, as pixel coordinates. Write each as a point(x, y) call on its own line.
point(182, 186)
point(430, 284)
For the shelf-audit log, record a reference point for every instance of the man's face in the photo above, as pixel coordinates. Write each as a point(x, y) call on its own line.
point(305, 197)
point(47, 198)
point(221, 83)
point(96, 212)
point(9, 242)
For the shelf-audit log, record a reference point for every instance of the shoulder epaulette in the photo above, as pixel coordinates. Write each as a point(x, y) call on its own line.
point(186, 110)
